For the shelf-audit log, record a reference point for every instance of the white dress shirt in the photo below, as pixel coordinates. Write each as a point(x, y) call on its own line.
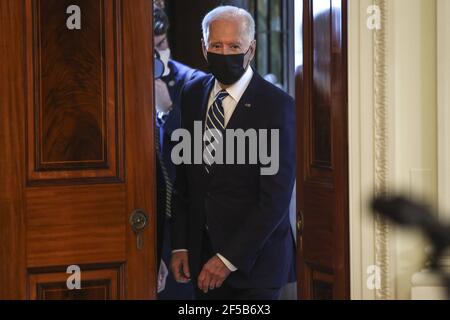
point(235, 91)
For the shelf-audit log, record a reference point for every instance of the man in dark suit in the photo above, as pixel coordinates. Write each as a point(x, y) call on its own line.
point(168, 118)
point(231, 233)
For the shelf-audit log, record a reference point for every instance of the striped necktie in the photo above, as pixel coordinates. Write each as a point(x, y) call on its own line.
point(215, 125)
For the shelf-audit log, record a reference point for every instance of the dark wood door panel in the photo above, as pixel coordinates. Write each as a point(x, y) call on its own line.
point(12, 134)
point(68, 245)
point(77, 149)
point(75, 106)
point(76, 224)
point(318, 220)
point(91, 205)
point(140, 143)
point(70, 75)
point(322, 192)
point(97, 283)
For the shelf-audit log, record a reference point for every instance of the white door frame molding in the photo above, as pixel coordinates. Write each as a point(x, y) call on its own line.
point(370, 150)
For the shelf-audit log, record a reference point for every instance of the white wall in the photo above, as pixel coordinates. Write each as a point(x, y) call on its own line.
point(415, 96)
point(411, 147)
point(443, 22)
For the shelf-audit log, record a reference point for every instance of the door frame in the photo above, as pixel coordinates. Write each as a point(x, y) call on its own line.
point(335, 270)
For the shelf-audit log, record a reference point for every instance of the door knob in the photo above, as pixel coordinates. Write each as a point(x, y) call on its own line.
point(138, 222)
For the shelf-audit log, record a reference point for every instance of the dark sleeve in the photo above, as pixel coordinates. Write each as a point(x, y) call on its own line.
point(197, 74)
point(274, 197)
point(173, 121)
point(180, 202)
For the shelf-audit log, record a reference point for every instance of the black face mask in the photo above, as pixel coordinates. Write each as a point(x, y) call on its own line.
point(227, 68)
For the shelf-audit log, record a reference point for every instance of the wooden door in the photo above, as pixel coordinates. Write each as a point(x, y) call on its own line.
point(322, 192)
point(77, 151)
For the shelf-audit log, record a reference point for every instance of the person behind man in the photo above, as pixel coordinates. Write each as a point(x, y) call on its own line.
point(231, 233)
point(167, 96)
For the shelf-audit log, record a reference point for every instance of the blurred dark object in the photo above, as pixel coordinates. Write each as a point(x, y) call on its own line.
point(161, 27)
point(159, 3)
point(408, 213)
point(159, 66)
point(160, 22)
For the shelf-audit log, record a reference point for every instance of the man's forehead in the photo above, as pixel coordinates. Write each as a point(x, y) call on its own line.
point(226, 25)
point(226, 30)
point(234, 40)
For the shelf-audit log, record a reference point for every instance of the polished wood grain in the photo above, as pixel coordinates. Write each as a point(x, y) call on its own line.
point(321, 94)
point(45, 205)
point(75, 110)
point(12, 136)
point(69, 245)
point(322, 192)
point(99, 282)
point(140, 143)
point(64, 209)
point(70, 76)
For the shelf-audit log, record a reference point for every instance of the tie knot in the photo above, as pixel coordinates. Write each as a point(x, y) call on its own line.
point(222, 95)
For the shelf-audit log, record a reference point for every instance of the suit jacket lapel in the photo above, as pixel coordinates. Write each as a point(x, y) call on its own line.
point(208, 86)
point(245, 105)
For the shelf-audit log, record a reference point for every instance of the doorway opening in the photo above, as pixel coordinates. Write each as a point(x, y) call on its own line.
point(276, 59)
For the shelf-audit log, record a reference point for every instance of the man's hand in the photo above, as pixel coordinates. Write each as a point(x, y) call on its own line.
point(180, 267)
point(163, 101)
point(213, 274)
point(162, 276)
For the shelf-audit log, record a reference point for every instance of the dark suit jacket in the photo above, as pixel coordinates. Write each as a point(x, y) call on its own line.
point(247, 214)
point(179, 75)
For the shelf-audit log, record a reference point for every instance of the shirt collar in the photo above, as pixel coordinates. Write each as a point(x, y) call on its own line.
point(236, 91)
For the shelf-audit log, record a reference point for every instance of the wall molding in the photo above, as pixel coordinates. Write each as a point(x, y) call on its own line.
point(370, 154)
point(381, 144)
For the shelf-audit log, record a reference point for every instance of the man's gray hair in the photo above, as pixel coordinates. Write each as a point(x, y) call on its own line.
point(231, 13)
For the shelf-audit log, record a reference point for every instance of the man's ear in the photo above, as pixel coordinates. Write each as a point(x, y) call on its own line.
point(251, 56)
point(253, 49)
point(204, 50)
